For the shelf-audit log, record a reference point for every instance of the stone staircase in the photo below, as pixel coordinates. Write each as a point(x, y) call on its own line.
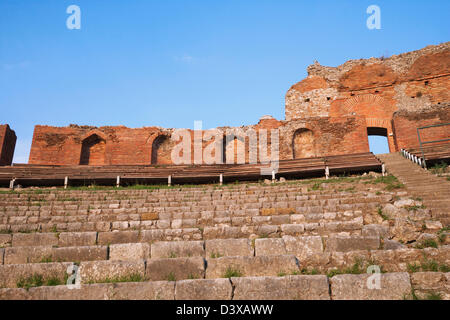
point(435, 191)
point(296, 240)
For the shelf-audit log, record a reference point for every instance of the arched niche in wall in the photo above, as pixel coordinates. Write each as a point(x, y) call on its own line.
point(234, 149)
point(93, 151)
point(161, 150)
point(303, 144)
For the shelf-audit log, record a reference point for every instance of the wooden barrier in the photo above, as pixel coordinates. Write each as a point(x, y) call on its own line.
point(42, 175)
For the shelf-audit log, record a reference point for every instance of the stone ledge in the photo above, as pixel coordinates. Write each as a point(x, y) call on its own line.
point(393, 286)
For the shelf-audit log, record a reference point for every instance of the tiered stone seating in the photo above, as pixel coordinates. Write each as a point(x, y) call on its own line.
point(295, 240)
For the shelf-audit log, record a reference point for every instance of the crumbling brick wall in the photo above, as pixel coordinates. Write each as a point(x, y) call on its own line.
point(7, 145)
point(64, 145)
point(144, 146)
point(407, 122)
point(374, 88)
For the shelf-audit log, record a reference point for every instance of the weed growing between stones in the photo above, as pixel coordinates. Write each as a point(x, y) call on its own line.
point(37, 280)
point(135, 277)
point(171, 277)
point(428, 266)
point(427, 243)
point(390, 181)
point(232, 273)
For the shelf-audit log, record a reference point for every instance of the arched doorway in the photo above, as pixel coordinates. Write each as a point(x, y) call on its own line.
point(161, 150)
point(378, 140)
point(234, 152)
point(93, 151)
point(303, 144)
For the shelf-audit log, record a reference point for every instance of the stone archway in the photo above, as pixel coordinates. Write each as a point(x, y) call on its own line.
point(161, 150)
point(93, 151)
point(303, 144)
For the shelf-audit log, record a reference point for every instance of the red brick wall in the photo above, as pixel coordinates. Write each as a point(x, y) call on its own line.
point(63, 145)
point(7, 145)
point(374, 88)
point(75, 145)
point(406, 124)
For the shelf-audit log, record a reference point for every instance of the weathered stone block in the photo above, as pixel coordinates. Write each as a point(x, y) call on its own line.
point(222, 233)
point(97, 291)
point(175, 269)
point(110, 271)
point(343, 260)
point(13, 274)
point(281, 288)
point(303, 247)
point(393, 286)
point(78, 254)
point(73, 239)
point(19, 255)
point(293, 229)
point(429, 281)
point(152, 235)
point(351, 243)
point(228, 247)
point(150, 290)
point(5, 240)
point(129, 251)
point(149, 216)
point(34, 239)
point(105, 238)
point(397, 260)
point(252, 266)
point(375, 230)
point(177, 249)
point(266, 246)
point(433, 225)
point(203, 289)
point(392, 245)
point(14, 294)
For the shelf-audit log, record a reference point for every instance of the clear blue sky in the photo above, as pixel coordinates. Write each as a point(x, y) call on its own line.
point(168, 63)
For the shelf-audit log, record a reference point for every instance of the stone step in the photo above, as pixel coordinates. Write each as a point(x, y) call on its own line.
point(52, 209)
point(394, 286)
point(36, 247)
point(320, 253)
point(158, 269)
point(163, 225)
point(434, 191)
point(42, 254)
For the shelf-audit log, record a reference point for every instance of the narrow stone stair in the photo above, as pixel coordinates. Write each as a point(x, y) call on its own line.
point(433, 190)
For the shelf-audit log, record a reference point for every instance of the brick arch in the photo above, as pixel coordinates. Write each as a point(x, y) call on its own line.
point(96, 132)
point(93, 150)
point(376, 110)
point(380, 123)
point(353, 105)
